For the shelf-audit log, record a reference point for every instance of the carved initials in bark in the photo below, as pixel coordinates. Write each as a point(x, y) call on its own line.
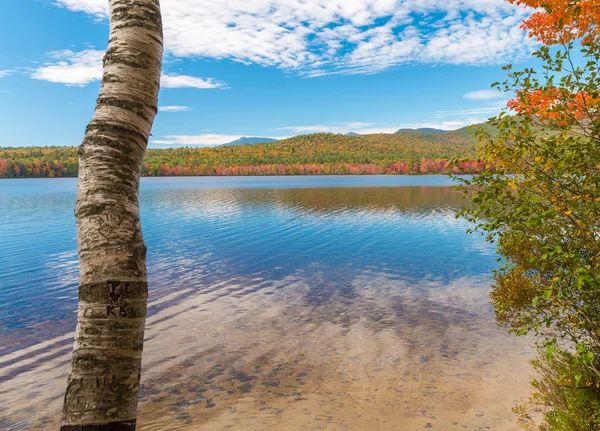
point(117, 289)
point(123, 310)
point(118, 307)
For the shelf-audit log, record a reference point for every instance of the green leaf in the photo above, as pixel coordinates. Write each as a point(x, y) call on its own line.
point(550, 349)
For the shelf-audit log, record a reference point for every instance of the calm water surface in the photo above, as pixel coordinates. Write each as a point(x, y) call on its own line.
point(276, 303)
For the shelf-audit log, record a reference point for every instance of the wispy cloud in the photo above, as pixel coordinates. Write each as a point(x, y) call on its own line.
point(484, 95)
point(98, 8)
point(208, 139)
point(444, 125)
point(490, 111)
point(71, 68)
point(4, 73)
point(316, 37)
point(203, 140)
point(172, 80)
point(174, 108)
point(328, 128)
point(374, 128)
point(500, 103)
point(84, 67)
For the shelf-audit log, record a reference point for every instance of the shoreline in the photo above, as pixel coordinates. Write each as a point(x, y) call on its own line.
point(448, 175)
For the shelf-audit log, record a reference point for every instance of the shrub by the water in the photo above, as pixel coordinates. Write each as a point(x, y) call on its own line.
point(539, 200)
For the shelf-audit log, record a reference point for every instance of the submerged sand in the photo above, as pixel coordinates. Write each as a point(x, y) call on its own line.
point(376, 354)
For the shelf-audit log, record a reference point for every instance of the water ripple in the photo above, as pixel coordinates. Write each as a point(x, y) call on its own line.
point(392, 259)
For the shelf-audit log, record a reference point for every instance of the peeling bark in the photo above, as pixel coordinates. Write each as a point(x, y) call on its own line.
point(102, 390)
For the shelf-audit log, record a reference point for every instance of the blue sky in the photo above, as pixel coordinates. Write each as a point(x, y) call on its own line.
point(269, 68)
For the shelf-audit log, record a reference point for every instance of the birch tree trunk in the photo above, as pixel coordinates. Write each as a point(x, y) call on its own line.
point(103, 387)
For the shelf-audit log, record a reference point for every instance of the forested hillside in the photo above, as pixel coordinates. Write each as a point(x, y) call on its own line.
point(409, 152)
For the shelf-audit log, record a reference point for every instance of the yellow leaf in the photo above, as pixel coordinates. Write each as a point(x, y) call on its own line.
point(568, 212)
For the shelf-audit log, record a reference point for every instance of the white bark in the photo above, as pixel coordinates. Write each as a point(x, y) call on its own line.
point(103, 386)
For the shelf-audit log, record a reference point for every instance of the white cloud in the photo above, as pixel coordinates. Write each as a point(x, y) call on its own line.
point(373, 128)
point(320, 37)
point(205, 140)
point(328, 128)
point(443, 125)
point(209, 139)
point(4, 73)
point(172, 80)
point(484, 95)
point(500, 103)
point(174, 108)
point(93, 7)
point(84, 67)
point(491, 111)
point(72, 68)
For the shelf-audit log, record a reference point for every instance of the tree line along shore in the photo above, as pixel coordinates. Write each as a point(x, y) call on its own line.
point(403, 153)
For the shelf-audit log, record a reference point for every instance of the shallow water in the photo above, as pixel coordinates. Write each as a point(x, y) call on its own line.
point(342, 303)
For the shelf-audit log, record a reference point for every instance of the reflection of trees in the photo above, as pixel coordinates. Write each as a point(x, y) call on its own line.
point(406, 199)
point(224, 202)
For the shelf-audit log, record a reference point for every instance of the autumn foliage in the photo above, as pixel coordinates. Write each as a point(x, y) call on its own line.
point(317, 154)
point(556, 106)
point(561, 21)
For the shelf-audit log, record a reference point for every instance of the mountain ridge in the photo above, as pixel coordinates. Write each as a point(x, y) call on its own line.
point(245, 140)
point(422, 129)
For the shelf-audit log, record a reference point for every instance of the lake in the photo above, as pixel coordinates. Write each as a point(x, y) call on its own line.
point(276, 303)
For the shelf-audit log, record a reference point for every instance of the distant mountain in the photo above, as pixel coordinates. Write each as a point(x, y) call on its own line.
point(246, 141)
point(422, 129)
point(351, 134)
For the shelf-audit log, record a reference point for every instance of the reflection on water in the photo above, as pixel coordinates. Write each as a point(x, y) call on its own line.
point(323, 307)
